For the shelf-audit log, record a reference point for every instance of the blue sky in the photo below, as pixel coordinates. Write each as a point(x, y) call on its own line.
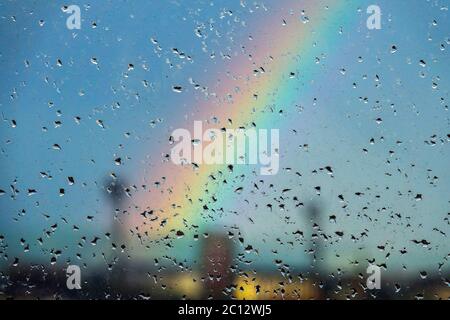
point(44, 99)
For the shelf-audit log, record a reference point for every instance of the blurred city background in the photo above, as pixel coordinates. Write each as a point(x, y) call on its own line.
point(86, 121)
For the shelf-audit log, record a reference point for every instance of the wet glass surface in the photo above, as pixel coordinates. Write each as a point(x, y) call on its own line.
point(354, 203)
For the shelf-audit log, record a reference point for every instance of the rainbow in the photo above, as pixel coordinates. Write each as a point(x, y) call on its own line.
point(251, 88)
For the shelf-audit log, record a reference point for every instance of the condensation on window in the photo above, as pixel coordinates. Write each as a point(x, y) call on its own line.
point(226, 150)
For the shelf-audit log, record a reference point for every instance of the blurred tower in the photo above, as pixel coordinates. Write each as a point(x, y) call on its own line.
point(315, 243)
point(218, 251)
point(115, 191)
point(314, 216)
